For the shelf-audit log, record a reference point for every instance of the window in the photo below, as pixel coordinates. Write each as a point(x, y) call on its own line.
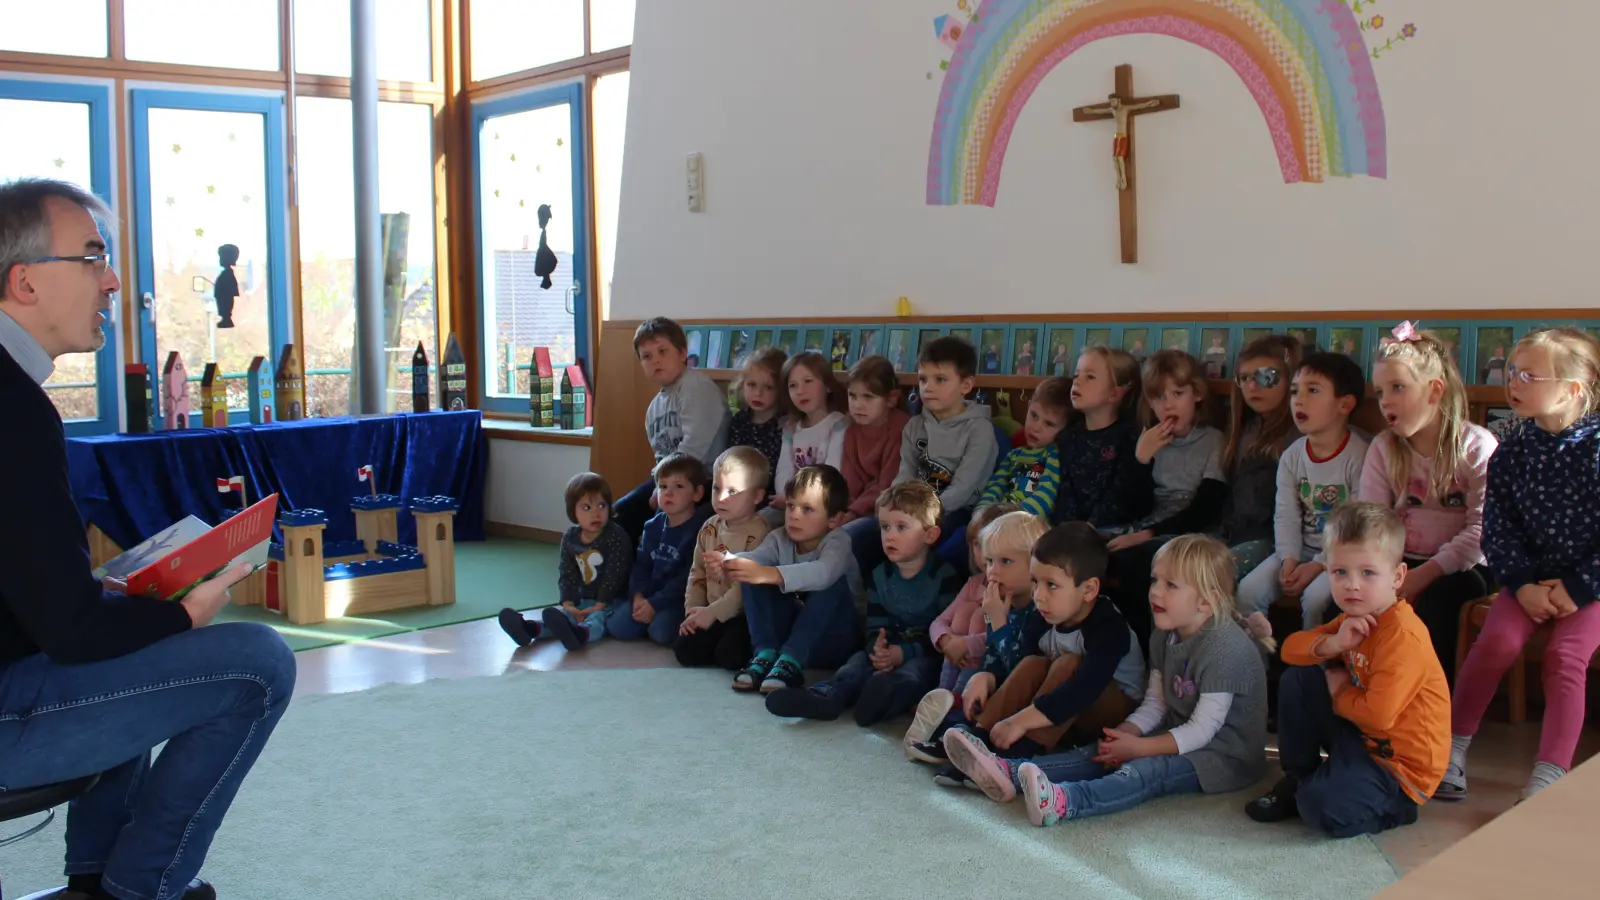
point(239, 34)
point(610, 126)
point(512, 35)
point(65, 27)
point(610, 24)
point(327, 246)
point(404, 32)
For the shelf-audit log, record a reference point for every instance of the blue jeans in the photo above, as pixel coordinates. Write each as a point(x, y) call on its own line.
point(663, 629)
point(817, 629)
point(908, 683)
point(214, 694)
point(1349, 793)
point(1092, 791)
point(594, 624)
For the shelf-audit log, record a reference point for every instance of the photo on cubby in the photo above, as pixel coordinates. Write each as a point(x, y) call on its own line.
point(714, 344)
point(1024, 350)
point(1310, 342)
point(925, 336)
point(1062, 341)
point(789, 340)
point(1137, 342)
point(991, 350)
point(1351, 342)
point(1494, 344)
point(815, 338)
point(1593, 332)
point(839, 348)
point(1214, 352)
point(696, 341)
point(738, 347)
point(963, 333)
point(1097, 337)
point(1450, 336)
point(898, 347)
point(763, 338)
point(1175, 339)
point(871, 342)
point(1253, 333)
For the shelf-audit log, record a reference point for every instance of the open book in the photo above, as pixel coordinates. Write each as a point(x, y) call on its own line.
point(170, 564)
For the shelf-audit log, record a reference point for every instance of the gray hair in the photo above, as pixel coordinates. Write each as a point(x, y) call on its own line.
point(25, 222)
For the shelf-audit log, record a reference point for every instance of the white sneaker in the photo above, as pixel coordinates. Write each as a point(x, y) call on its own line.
point(931, 711)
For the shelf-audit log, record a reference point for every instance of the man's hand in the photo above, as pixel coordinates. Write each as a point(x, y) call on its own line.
point(1124, 541)
point(698, 619)
point(1304, 574)
point(1536, 601)
point(977, 692)
point(994, 604)
point(746, 571)
point(1338, 680)
point(209, 597)
point(1119, 747)
point(1154, 438)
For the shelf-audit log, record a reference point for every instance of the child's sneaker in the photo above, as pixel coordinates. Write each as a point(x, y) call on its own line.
point(1277, 804)
point(931, 711)
point(1453, 786)
point(801, 703)
point(1046, 802)
point(996, 777)
point(930, 752)
point(784, 674)
point(754, 672)
point(523, 631)
point(571, 636)
point(950, 776)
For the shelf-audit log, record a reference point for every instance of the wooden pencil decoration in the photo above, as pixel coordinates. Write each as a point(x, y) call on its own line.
point(213, 398)
point(175, 390)
point(291, 386)
point(141, 398)
point(261, 386)
point(420, 391)
point(454, 376)
point(541, 390)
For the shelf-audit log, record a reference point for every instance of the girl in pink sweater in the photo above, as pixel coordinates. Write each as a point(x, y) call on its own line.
point(871, 452)
point(1432, 466)
point(960, 634)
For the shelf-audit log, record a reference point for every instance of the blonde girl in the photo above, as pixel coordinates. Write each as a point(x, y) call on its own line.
point(1432, 465)
point(1102, 482)
point(1260, 427)
point(759, 421)
point(1202, 726)
point(813, 433)
point(1542, 540)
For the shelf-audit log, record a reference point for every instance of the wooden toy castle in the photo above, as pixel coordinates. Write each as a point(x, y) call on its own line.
point(541, 390)
point(175, 392)
point(291, 386)
point(310, 582)
point(420, 391)
point(213, 398)
point(453, 376)
point(261, 387)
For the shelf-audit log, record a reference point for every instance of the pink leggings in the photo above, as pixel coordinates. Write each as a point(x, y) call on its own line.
point(1566, 668)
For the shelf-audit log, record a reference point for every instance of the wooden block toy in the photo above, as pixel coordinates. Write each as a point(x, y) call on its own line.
point(140, 397)
point(576, 411)
point(261, 386)
point(541, 390)
point(291, 386)
point(175, 392)
point(420, 391)
point(453, 376)
point(213, 398)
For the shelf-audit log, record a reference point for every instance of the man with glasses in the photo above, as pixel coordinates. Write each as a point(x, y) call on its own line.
point(91, 679)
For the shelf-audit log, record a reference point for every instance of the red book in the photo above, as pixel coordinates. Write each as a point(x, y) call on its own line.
point(242, 537)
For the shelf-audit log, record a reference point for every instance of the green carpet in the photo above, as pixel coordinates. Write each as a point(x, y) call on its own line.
point(664, 783)
point(490, 575)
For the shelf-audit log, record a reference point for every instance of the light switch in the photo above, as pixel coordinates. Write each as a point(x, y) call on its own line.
point(694, 182)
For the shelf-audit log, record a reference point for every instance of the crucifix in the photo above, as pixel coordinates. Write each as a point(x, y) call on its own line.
point(1121, 108)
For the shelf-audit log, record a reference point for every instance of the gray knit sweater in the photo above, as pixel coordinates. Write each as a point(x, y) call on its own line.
point(1220, 659)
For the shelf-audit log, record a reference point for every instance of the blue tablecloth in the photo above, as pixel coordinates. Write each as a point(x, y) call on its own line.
point(134, 485)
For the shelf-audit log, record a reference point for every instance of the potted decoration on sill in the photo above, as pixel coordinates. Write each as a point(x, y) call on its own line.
point(541, 390)
point(175, 391)
point(419, 380)
point(262, 387)
point(453, 377)
point(213, 398)
point(141, 398)
point(291, 386)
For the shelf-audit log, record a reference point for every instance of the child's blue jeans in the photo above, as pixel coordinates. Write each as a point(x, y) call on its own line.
point(1092, 791)
point(816, 629)
point(909, 682)
point(663, 629)
point(596, 623)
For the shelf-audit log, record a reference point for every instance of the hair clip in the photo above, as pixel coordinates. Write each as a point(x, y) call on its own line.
point(1406, 332)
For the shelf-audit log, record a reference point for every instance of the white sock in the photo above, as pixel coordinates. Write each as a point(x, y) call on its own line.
point(1458, 750)
point(1544, 775)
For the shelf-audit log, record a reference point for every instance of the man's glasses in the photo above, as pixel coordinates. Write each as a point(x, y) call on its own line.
point(98, 260)
point(1266, 377)
point(1516, 374)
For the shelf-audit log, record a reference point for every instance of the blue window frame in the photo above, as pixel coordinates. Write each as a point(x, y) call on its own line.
point(97, 97)
point(516, 169)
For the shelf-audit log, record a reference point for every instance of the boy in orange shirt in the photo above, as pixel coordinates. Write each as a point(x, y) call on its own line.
point(1383, 716)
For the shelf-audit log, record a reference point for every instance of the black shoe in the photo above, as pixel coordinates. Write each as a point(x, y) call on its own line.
point(877, 695)
point(570, 636)
point(197, 890)
point(948, 775)
point(783, 674)
point(748, 679)
point(931, 752)
point(523, 631)
point(1277, 804)
point(799, 703)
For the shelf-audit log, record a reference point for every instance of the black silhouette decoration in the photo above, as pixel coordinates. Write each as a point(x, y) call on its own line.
point(544, 262)
point(227, 286)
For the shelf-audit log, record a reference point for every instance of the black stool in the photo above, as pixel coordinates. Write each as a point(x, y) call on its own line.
point(42, 799)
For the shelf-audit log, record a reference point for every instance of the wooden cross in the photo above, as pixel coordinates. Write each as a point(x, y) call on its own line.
point(1121, 108)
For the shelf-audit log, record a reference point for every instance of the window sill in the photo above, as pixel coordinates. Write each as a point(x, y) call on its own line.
point(519, 430)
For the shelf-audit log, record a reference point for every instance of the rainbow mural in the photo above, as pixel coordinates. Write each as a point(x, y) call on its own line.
point(1306, 63)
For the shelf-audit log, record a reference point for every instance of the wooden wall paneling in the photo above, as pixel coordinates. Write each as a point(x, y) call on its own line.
point(622, 394)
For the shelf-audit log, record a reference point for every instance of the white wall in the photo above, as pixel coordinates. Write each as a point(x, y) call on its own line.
point(527, 481)
point(815, 122)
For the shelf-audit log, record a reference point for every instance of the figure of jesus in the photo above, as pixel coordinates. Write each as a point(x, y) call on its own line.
point(1120, 112)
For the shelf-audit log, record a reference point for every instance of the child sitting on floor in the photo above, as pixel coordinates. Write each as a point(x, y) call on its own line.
point(1382, 713)
point(802, 588)
point(661, 568)
point(1202, 726)
point(714, 630)
point(1030, 475)
point(595, 559)
point(1084, 672)
point(959, 636)
point(897, 664)
point(1316, 474)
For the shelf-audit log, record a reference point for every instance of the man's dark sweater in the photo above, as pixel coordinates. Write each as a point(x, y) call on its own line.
point(49, 600)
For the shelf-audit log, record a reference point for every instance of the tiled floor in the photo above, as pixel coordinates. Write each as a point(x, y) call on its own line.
point(1501, 755)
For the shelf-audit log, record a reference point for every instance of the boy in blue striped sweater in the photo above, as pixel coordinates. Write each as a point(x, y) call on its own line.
point(897, 664)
